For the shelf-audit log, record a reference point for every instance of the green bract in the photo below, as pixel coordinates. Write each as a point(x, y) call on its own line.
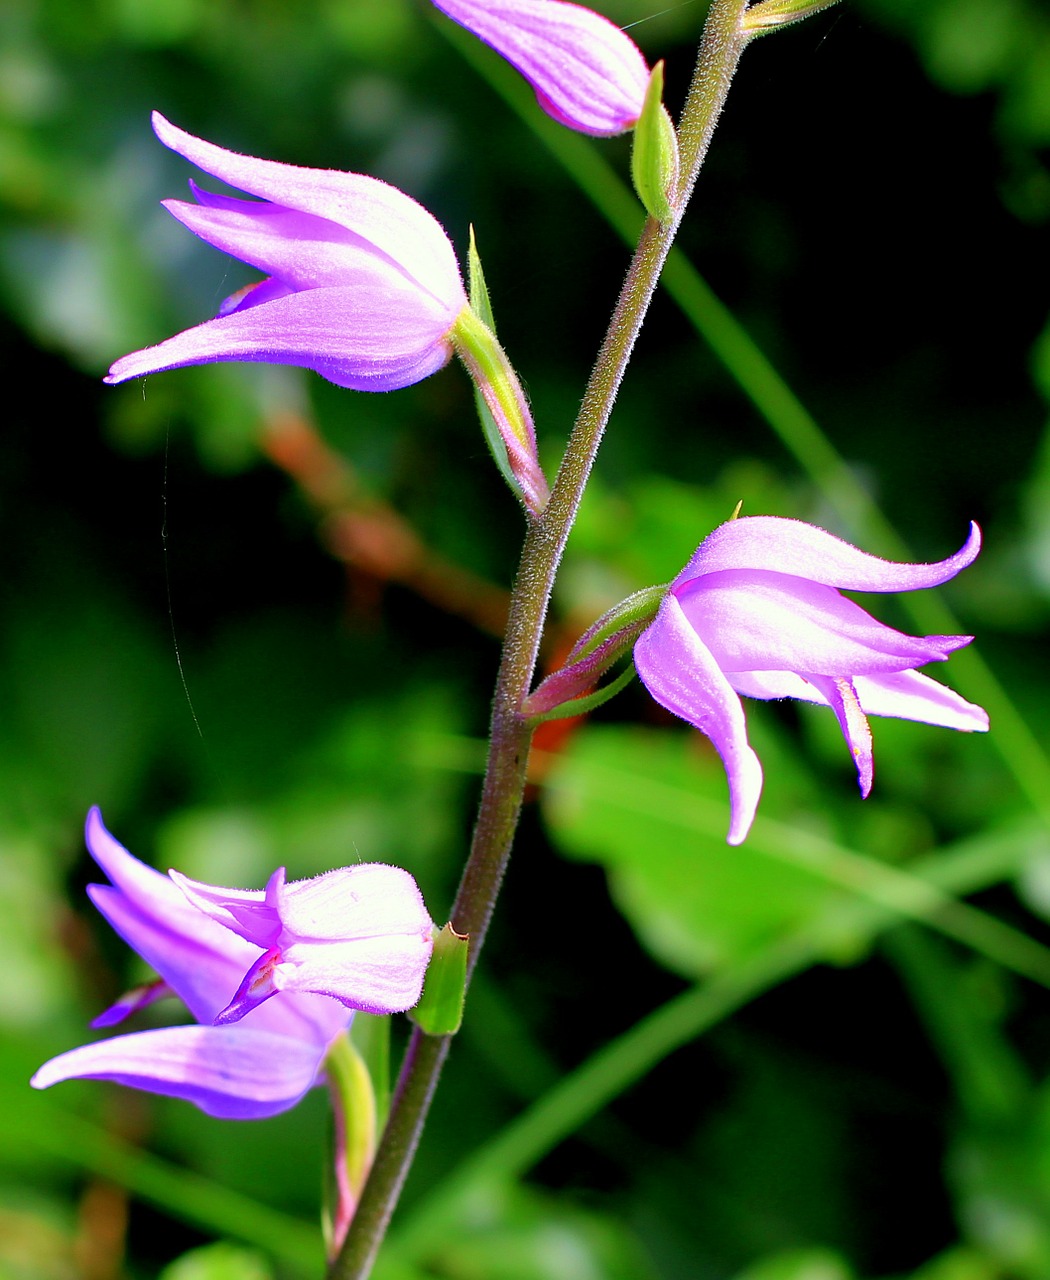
point(654, 157)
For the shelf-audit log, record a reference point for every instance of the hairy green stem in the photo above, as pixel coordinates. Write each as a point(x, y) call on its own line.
point(511, 734)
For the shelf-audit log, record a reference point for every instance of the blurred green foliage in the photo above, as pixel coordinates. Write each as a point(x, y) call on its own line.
point(847, 1076)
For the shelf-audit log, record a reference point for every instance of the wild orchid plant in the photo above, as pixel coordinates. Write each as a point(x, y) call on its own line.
point(363, 287)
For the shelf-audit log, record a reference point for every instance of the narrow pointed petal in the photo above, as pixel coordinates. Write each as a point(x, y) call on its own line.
point(906, 695)
point(195, 956)
point(399, 228)
point(682, 675)
point(909, 695)
point(132, 1002)
point(842, 697)
point(758, 621)
point(794, 547)
point(200, 961)
point(234, 1073)
point(302, 250)
point(369, 336)
point(587, 73)
point(151, 890)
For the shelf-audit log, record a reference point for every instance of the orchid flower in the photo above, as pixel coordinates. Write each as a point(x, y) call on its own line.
point(757, 611)
point(362, 282)
point(356, 938)
point(587, 73)
point(363, 288)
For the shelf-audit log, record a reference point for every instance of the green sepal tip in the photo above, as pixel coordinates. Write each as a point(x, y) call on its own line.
point(654, 155)
point(580, 706)
point(770, 15)
point(499, 395)
point(440, 1009)
point(481, 305)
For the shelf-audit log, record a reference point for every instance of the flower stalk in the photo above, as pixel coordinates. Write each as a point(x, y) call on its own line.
point(503, 788)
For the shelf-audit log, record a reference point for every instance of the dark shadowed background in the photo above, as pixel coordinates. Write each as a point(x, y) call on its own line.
point(251, 616)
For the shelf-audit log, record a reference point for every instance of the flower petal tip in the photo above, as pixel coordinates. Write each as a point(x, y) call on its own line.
point(745, 791)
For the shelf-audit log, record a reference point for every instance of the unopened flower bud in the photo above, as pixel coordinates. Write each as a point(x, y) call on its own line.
point(654, 157)
point(587, 73)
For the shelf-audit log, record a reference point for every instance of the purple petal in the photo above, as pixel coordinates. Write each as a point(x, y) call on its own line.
point(360, 935)
point(683, 676)
point(842, 697)
point(402, 230)
point(770, 685)
point(304, 251)
point(376, 975)
point(754, 620)
point(587, 73)
point(132, 1002)
point(301, 1015)
point(249, 913)
point(909, 695)
point(151, 890)
point(375, 336)
point(235, 1073)
point(256, 988)
point(372, 900)
point(199, 960)
point(794, 547)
